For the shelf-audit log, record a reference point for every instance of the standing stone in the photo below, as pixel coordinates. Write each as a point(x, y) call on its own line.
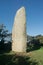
point(19, 31)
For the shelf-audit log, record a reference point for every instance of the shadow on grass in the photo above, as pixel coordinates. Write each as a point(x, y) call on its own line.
point(15, 60)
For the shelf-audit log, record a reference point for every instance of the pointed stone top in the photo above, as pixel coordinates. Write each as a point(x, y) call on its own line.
point(21, 9)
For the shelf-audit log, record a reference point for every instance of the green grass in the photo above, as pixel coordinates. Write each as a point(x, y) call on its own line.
point(31, 58)
point(37, 55)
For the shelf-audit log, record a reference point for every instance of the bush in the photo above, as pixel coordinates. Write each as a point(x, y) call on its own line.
point(34, 44)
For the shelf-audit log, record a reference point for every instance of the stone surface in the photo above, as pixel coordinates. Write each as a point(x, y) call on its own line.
point(19, 31)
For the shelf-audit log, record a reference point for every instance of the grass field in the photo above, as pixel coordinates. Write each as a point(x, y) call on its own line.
point(30, 58)
point(37, 55)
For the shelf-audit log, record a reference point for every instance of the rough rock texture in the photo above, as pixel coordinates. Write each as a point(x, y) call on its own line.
point(19, 31)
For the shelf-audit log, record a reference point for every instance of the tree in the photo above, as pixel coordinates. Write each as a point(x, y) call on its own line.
point(3, 36)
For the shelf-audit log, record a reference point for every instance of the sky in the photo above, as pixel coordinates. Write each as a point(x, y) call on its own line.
point(34, 14)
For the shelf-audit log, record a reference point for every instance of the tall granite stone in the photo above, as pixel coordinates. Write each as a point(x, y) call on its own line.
point(19, 31)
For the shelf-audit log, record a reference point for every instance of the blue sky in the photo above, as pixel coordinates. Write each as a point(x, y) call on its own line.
point(34, 14)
